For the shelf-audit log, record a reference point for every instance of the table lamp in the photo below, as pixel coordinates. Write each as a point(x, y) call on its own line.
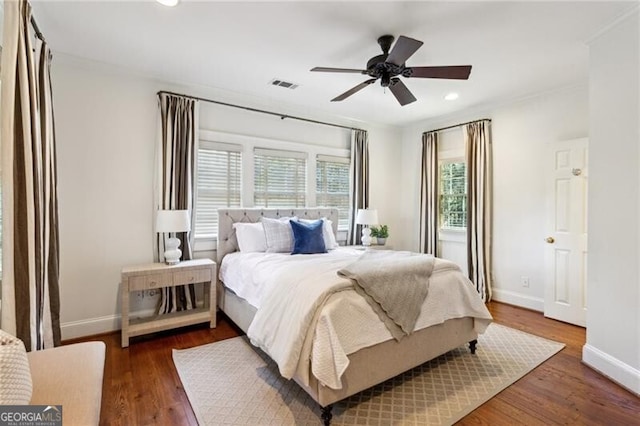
point(172, 221)
point(366, 217)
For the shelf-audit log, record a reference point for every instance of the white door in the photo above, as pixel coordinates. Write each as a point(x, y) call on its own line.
point(565, 296)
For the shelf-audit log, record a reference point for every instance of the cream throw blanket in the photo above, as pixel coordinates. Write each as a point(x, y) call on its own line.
point(395, 284)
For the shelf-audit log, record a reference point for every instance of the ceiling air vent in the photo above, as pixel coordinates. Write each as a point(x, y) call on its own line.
point(282, 83)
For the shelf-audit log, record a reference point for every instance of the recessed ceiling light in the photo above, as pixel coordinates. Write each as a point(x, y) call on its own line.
point(451, 96)
point(169, 3)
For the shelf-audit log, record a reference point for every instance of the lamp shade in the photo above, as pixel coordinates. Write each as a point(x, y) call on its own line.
point(367, 217)
point(173, 221)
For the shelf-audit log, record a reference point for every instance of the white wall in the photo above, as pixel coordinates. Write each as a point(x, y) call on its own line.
point(521, 132)
point(613, 318)
point(106, 129)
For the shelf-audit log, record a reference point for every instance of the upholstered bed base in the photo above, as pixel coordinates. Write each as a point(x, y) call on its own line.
point(372, 365)
point(368, 366)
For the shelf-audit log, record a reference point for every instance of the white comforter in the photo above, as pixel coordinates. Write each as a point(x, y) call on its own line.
point(290, 326)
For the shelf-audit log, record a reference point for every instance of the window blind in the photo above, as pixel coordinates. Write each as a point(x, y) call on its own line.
point(219, 184)
point(280, 178)
point(332, 186)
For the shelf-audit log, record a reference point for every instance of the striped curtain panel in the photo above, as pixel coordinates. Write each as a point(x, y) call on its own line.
point(358, 182)
point(479, 211)
point(30, 264)
point(429, 194)
point(175, 180)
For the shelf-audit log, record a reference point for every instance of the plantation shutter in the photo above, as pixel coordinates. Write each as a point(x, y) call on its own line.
point(219, 183)
point(332, 186)
point(280, 178)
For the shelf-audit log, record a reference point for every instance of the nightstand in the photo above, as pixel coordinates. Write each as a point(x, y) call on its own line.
point(158, 275)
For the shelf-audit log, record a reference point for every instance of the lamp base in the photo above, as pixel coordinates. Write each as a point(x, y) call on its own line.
point(366, 236)
point(172, 253)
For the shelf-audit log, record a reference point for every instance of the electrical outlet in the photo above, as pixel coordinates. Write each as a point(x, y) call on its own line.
point(524, 281)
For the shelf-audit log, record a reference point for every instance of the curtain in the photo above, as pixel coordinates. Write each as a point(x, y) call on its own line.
point(175, 181)
point(479, 211)
point(429, 194)
point(30, 264)
point(358, 182)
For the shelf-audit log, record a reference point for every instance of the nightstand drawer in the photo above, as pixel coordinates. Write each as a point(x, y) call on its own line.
point(192, 277)
point(148, 282)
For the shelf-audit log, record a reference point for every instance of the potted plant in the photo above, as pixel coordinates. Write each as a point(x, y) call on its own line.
point(381, 233)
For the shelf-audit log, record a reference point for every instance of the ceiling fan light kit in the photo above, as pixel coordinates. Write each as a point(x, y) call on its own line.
point(389, 66)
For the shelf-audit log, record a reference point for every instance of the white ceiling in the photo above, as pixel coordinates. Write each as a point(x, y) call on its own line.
point(516, 49)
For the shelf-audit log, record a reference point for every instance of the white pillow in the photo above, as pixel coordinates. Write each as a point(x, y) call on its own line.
point(250, 237)
point(327, 233)
point(278, 234)
point(15, 375)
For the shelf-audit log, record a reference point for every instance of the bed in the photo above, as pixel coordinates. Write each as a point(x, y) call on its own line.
point(367, 366)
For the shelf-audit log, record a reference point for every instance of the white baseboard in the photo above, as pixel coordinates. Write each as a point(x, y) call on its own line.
point(99, 325)
point(616, 370)
point(90, 327)
point(518, 299)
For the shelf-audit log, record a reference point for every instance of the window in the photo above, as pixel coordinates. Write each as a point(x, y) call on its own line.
point(236, 171)
point(280, 178)
point(453, 195)
point(332, 186)
point(218, 184)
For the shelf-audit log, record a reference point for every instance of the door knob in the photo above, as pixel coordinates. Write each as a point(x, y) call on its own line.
point(550, 240)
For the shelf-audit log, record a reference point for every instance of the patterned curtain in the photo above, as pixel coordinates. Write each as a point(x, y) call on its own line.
point(429, 194)
point(479, 210)
point(358, 182)
point(175, 180)
point(30, 264)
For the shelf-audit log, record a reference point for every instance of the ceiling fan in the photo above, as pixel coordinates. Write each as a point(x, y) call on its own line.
point(390, 65)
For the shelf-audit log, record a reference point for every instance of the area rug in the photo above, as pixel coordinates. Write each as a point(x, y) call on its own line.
point(231, 383)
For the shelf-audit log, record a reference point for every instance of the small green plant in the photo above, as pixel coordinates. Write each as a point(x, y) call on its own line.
point(380, 232)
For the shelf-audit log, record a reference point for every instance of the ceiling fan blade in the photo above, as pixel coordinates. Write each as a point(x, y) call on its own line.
point(454, 72)
point(348, 70)
point(403, 49)
point(353, 90)
point(402, 94)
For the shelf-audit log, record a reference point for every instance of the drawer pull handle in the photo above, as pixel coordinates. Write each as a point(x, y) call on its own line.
point(153, 284)
point(191, 278)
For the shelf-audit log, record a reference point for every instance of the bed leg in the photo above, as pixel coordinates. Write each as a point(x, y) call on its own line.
point(472, 346)
point(327, 415)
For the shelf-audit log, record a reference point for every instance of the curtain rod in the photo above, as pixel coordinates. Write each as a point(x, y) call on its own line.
point(282, 116)
point(36, 29)
point(457, 125)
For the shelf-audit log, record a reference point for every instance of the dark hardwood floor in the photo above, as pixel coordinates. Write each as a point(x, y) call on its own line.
point(141, 386)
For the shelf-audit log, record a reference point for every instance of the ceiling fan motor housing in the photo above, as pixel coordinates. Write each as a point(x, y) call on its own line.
point(378, 67)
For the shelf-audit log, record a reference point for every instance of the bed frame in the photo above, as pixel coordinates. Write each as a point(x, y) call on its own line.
point(367, 367)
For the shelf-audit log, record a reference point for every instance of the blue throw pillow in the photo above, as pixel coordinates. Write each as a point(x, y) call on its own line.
point(307, 237)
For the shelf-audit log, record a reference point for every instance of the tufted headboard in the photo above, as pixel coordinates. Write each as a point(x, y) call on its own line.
point(227, 242)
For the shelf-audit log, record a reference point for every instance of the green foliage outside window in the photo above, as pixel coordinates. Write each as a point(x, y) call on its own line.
point(453, 195)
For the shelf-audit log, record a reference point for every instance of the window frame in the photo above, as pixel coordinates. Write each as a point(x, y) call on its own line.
point(450, 229)
point(206, 144)
point(296, 156)
point(341, 160)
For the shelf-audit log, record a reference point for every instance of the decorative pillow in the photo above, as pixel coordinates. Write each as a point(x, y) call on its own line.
point(278, 234)
point(327, 233)
point(15, 375)
point(250, 237)
point(308, 238)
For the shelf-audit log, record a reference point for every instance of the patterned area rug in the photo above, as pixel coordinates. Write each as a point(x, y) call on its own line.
point(231, 383)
